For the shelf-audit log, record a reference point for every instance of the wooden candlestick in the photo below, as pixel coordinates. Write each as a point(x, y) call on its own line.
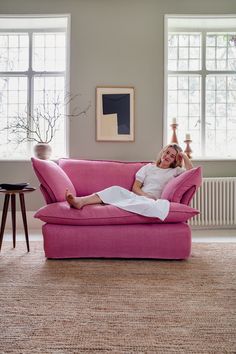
point(174, 138)
point(188, 151)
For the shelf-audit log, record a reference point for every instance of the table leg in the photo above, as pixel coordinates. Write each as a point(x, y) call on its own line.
point(23, 212)
point(4, 217)
point(13, 218)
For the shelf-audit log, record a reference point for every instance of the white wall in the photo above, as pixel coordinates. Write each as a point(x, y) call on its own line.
point(116, 42)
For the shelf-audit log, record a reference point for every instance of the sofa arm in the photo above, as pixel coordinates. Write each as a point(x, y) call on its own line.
point(188, 195)
point(48, 197)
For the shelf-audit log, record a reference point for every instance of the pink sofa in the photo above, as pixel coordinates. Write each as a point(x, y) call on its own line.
point(104, 230)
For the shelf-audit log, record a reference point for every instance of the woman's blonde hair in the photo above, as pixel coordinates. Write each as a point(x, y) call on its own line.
point(174, 163)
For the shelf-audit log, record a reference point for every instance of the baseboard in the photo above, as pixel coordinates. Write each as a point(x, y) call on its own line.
point(31, 221)
point(36, 224)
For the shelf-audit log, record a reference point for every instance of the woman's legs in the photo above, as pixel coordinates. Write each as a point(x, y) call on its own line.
point(79, 202)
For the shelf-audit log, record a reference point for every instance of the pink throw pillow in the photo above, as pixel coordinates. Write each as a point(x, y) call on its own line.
point(53, 179)
point(183, 186)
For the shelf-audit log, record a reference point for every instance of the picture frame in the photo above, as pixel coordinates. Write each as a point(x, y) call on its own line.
point(114, 113)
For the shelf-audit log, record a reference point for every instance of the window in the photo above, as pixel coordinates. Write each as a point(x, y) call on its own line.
point(33, 67)
point(201, 83)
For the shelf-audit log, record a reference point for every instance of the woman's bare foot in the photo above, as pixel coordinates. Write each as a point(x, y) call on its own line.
point(75, 202)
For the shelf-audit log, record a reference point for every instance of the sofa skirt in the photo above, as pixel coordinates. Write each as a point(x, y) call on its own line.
point(156, 241)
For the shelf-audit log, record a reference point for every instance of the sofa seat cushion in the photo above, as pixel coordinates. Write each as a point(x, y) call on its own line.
point(62, 213)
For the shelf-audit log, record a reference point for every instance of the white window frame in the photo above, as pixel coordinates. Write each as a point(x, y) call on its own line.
point(30, 73)
point(203, 73)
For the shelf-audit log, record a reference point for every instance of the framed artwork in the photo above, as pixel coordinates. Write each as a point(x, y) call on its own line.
point(114, 113)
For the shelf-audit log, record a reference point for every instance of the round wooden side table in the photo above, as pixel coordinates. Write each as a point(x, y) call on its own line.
point(12, 194)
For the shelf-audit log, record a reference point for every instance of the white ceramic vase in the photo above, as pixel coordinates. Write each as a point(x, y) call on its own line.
point(42, 151)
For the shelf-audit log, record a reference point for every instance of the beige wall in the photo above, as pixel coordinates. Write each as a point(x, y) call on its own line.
point(116, 42)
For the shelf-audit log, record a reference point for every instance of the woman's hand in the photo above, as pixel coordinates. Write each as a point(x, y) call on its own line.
point(187, 162)
point(150, 196)
point(179, 156)
point(137, 189)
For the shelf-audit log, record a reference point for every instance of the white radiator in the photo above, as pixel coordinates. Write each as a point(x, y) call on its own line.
point(216, 201)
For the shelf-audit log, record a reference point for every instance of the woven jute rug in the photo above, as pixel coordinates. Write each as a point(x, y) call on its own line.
point(118, 306)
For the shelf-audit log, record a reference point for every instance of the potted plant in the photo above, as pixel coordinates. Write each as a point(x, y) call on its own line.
point(42, 124)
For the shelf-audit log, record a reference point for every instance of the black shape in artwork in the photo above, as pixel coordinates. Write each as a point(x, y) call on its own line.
point(119, 104)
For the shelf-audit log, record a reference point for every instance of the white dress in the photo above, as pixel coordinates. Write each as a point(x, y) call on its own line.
point(154, 179)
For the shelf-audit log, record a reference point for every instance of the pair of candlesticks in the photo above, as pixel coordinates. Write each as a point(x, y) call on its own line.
point(188, 151)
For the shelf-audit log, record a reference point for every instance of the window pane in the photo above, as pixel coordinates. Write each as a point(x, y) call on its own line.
point(184, 51)
point(43, 43)
point(13, 109)
point(49, 110)
point(49, 51)
point(14, 52)
point(184, 103)
point(221, 115)
point(213, 132)
point(220, 51)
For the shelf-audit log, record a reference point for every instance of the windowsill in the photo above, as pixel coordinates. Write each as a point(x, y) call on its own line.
point(214, 159)
point(15, 160)
point(207, 159)
point(29, 159)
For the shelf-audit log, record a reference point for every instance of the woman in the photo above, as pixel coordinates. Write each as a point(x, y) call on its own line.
point(147, 188)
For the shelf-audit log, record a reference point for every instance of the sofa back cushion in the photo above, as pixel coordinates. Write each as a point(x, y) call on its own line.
point(181, 189)
point(54, 181)
point(90, 176)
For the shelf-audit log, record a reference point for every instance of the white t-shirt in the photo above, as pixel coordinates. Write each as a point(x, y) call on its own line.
point(155, 178)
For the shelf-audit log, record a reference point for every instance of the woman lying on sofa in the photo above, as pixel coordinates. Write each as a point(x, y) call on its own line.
point(147, 188)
